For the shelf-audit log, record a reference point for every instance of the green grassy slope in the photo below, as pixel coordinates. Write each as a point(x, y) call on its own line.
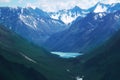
point(20, 59)
point(103, 63)
point(14, 71)
point(18, 50)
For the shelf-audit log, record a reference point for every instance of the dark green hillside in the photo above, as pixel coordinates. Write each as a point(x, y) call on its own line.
point(22, 60)
point(103, 63)
point(14, 71)
point(19, 53)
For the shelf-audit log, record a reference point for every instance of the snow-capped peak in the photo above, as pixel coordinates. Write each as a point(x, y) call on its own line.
point(68, 16)
point(100, 8)
point(29, 21)
point(107, 8)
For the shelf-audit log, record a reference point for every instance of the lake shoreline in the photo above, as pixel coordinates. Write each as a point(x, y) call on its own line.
point(67, 54)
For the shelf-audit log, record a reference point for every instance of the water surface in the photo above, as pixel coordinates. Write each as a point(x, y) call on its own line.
point(67, 54)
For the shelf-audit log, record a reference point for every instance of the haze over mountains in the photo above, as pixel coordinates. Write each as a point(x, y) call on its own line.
point(66, 28)
point(35, 25)
point(87, 32)
point(21, 59)
point(29, 35)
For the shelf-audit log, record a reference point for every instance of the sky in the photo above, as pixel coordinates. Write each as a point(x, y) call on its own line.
point(54, 5)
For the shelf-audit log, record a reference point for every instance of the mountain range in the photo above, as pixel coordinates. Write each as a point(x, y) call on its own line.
point(73, 30)
point(21, 59)
point(27, 37)
point(34, 25)
point(26, 61)
point(88, 32)
point(68, 16)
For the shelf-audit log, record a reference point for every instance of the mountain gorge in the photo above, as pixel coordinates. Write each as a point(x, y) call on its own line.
point(34, 25)
point(97, 68)
point(34, 63)
point(66, 28)
point(29, 36)
point(87, 32)
point(21, 59)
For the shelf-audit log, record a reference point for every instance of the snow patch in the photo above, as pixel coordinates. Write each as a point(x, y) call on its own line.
point(28, 58)
point(10, 28)
point(41, 20)
point(100, 8)
point(99, 15)
point(55, 16)
point(22, 10)
point(68, 19)
point(66, 16)
point(117, 17)
point(79, 78)
point(67, 70)
point(29, 21)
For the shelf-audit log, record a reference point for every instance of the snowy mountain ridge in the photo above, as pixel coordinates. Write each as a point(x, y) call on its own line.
point(32, 24)
point(68, 16)
point(108, 8)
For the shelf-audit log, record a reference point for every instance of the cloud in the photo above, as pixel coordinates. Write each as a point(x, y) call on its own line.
point(87, 3)
point(57, 5)
point(31, 5)
point(54, 5)
point(20, 1)
point(6, 1)
point(110, 1)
